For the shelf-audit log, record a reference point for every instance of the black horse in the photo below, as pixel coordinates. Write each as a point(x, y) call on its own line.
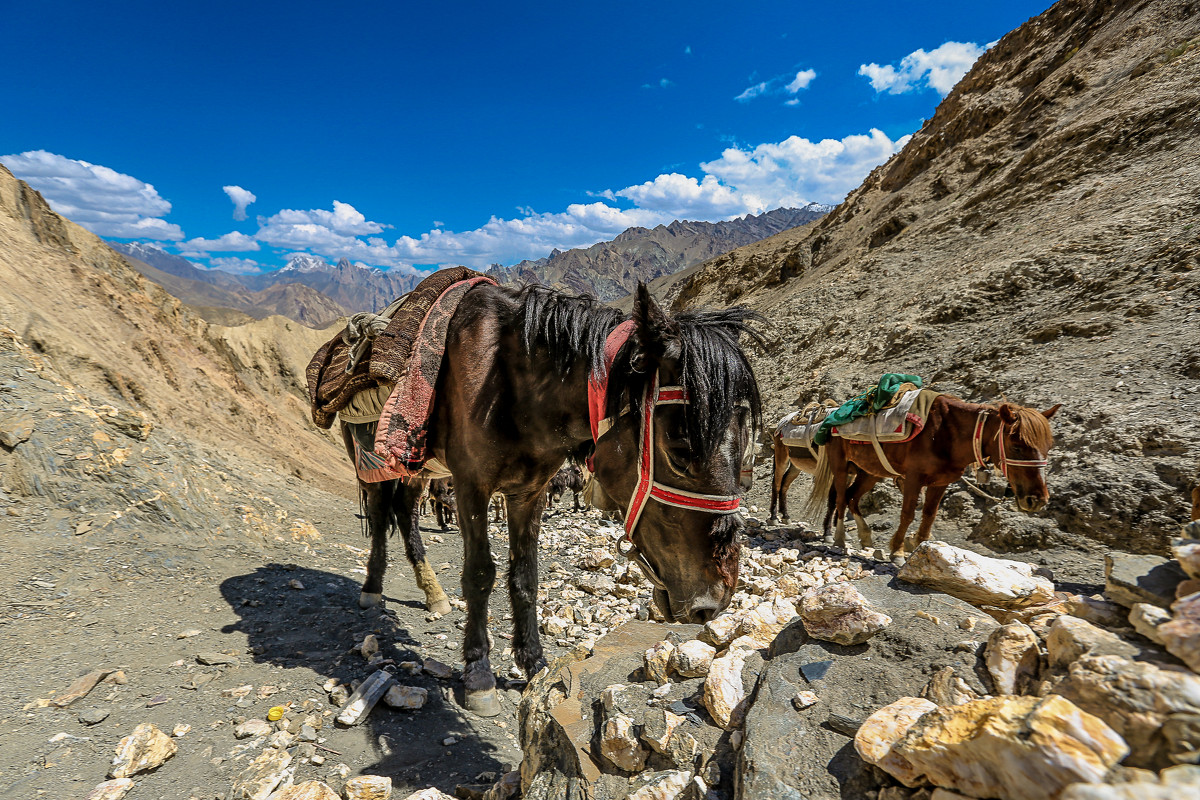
point(673, 408)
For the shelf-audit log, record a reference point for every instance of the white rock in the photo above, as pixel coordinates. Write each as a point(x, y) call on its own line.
point(1012, 657)
point(1145, 619)
point(839, 613)
point(658, 661)
point(1187, 553)
point(692, 659)
point(881, 731)
point(1181, 636)
point(368, 787)
point(977, 579)
point(406, 697)
point(619, 744)
point(253, 727)
point(263, 774)
point(144, 749)
point(432, 793)
point(766, 620)
point(1174, 783)
point(110, 790)
point(720, 630)
point(1069, 638)
point(667, 786)
point(1011, 748)
point(724, 692)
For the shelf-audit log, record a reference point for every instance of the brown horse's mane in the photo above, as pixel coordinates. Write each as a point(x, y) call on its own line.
point(1031, 428)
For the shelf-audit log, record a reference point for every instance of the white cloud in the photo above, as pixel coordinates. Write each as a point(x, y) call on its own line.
point(780, 84)
point(240, 198)
point(682, 197)
point(104, 201)
point(232, 242)
point(241, 266)
point(940, 69)
point(751, 92)
point(345, 219)
point(803, 78)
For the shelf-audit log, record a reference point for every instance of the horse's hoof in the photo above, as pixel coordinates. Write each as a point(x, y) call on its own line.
point(899, 559)
point(367, 600)
point(440, 607)
point(484, 703)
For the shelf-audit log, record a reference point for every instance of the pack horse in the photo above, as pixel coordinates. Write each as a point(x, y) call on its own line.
point(663, 407)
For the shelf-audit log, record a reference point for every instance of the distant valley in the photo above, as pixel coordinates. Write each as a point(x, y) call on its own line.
point(315, 293)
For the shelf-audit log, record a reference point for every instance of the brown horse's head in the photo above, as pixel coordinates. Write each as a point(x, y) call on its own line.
point(698, 447)
point(1027, 438)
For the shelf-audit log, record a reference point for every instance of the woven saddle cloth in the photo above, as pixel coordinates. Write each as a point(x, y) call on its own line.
point(335, 375)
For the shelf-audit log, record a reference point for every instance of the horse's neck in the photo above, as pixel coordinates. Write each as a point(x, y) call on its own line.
point(960, 419)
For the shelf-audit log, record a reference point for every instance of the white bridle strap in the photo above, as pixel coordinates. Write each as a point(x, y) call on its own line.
point(1005, 463)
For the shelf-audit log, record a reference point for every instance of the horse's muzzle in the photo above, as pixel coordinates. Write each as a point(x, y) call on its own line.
point(1031, 503)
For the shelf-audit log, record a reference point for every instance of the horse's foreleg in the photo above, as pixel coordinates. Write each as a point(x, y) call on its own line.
point(524, 523)
point(779, 469)
point(407, 509)
point(576, 494)
point(908, 510)
point(838, 463)
point(933, 499)
point(478, 579)
point(863, 483)
point(377, 506)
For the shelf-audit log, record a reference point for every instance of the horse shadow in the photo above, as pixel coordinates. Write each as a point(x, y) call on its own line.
point(301, 617)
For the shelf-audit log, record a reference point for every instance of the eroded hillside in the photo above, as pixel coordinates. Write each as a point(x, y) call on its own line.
point(1036, 240)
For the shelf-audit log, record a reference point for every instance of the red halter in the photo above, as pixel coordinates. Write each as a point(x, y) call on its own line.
point(647, 488)
point(1005, 463)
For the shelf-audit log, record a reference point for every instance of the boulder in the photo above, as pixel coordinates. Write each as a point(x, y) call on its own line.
point(1145, 619)
point(1187, 553)
point(1070, 638)
point(1131, 578)
point(766, 620)
point(977, 579)
point(1011, 748)
point(1097, 611)
point(658, 661)
point(619, 744)
point(1012, 658)
point(1181, 636)
point(368, 787)
point(724, 689)
point(145, 749)
point(837, 612)
point(692, 659)
point(309, 790)
point(259, 779)
point(663, 786)
point(930, 632)
point(565, 708)
point(720, 630)
point(1136, 699)
point(658, 727)
point(1172, 784)
point(879, 734)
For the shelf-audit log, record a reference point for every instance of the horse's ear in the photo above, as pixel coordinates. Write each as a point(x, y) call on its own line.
point(1008, 413)
point(1050, 412)
point(656, 331)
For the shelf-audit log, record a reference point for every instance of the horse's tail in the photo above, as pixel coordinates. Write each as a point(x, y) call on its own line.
point(818, 499)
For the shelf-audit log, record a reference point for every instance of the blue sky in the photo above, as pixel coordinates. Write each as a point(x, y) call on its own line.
point(398, 133)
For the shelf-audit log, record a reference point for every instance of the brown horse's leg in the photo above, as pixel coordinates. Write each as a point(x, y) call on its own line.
point(377, 505)
point(908, 510)
point(524, 524)
point(863, 483)
point(479, 577)
point(839, 466)
point(788, 479)
point(933, 498)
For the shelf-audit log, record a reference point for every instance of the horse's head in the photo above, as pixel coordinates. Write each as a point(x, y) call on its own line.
point(680, 517)
point(1026, 443)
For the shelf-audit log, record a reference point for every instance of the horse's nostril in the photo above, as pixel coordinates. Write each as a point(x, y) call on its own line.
point(703, 615)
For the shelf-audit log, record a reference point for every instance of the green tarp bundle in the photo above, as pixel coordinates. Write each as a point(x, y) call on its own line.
point(869, 402)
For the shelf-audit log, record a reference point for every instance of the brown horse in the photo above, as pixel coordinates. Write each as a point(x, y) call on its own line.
point(956, 435)
point(665, 405)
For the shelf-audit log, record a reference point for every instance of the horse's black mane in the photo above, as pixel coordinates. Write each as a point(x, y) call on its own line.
point(715, 371)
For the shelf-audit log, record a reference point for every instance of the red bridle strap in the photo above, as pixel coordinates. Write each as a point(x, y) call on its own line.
point(647, 488)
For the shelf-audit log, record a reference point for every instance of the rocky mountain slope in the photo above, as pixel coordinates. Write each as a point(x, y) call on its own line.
point(1036, 240)
point(117, 338)
point(611, 270)
point(226, 301)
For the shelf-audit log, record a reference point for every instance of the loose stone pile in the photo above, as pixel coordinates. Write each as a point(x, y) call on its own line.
point(984, 682)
